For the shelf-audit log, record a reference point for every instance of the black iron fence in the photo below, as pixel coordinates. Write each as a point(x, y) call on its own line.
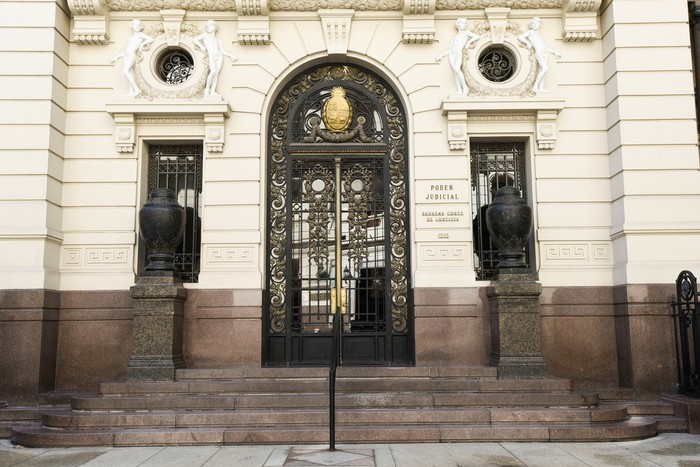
point(687, 330)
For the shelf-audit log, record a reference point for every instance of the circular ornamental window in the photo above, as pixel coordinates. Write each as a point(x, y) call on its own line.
point(497, 64)
point(174, 65)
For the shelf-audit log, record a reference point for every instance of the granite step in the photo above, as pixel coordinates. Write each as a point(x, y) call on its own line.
point(67, 419)
point(343, 385)
point(635, 428)
point(469, 372)
point(272, 400)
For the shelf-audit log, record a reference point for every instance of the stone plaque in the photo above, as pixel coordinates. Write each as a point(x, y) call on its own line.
point(440, 191)
point(442, 216)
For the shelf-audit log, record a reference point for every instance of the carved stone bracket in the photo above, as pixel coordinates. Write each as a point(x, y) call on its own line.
point(212, 113)
point(172, 25)
point(125, 132)
point(546, 129)
point(253, 22)
point(580, 20)
point(336, 29)
point(90, 21)
point(419, 21)
point(543, 111)
point(498, 22)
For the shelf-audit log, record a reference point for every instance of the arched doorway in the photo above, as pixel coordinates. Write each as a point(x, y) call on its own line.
point(338, 221)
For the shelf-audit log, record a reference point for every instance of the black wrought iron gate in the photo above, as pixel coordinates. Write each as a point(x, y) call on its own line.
point(338, 223)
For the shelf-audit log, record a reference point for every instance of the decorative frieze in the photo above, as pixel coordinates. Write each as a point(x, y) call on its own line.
point(314, 5)
point(444, 256)
point(253, 22)
point(75, 257)
point(231, 257)
point(576, 253)
point(419, 21)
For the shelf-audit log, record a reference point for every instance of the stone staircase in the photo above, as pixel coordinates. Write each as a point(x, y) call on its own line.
point(374, 405)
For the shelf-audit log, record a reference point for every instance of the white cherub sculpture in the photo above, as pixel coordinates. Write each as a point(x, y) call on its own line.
point(462, 40)
point(532, 40)
point(136, 43)
point(208, 43)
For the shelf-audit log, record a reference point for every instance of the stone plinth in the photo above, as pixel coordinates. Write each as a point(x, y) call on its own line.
point(157, 329)
point(515, 326)
point(687, 408)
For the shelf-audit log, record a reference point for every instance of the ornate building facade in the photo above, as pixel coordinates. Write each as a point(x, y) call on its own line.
point(358, 140)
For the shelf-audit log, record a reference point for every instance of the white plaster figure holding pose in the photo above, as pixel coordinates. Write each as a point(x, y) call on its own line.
point(136, 43)
point(208, 42)
point(532, 40)
point(462, 40)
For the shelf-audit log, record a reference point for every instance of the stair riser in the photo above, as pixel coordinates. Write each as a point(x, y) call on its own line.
point(623, 431)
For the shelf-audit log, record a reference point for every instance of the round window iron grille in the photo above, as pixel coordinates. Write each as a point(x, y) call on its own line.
point(174, 65)
point(497, 64)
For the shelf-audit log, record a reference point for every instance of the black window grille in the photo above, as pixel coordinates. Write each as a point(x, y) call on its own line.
point(493, 166)
point(179, 167)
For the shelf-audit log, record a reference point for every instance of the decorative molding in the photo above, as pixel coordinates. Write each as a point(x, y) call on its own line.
point(211, 112)
point(444, 256)
point(418, 21)
point(575, 253)
point(314, 5)
point(462, 110)
point(231, 257)
point(336, 30)
point(95, 256)
point(580, 20)
point(253, 22)
point(90, 23)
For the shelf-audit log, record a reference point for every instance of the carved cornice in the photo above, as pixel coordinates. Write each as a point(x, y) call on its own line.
point(314, 5)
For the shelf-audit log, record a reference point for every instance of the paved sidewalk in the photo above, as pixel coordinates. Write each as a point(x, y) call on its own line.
point(665, 450)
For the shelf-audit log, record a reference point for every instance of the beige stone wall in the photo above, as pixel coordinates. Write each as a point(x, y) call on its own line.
point(33, 111)
point(621, 176)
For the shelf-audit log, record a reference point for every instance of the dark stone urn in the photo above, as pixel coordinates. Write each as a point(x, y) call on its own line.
point(509, 222)
point(162, 223)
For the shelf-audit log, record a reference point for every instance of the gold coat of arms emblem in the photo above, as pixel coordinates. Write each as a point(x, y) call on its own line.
point(337, 111)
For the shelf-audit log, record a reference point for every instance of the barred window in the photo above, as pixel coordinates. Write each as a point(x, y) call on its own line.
point(179, 167)
point(493, 166)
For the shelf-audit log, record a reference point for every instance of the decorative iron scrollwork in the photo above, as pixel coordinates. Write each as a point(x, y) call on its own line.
point(319, 189)
point(377, 117)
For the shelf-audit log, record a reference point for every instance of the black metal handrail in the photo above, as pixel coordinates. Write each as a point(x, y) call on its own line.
point(687, 334)
point(335, 360)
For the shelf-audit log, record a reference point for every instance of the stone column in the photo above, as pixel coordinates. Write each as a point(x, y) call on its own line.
point(515, 326)
point(156, 353)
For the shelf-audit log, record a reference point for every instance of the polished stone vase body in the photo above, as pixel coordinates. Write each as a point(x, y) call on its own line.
point(162, 224)
point(509, 222)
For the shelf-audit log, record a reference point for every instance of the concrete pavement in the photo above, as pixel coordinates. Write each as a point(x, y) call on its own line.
point(667, 450)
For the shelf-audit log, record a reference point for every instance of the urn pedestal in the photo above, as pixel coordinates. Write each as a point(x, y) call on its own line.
point(158, 296)
point(516, 341)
